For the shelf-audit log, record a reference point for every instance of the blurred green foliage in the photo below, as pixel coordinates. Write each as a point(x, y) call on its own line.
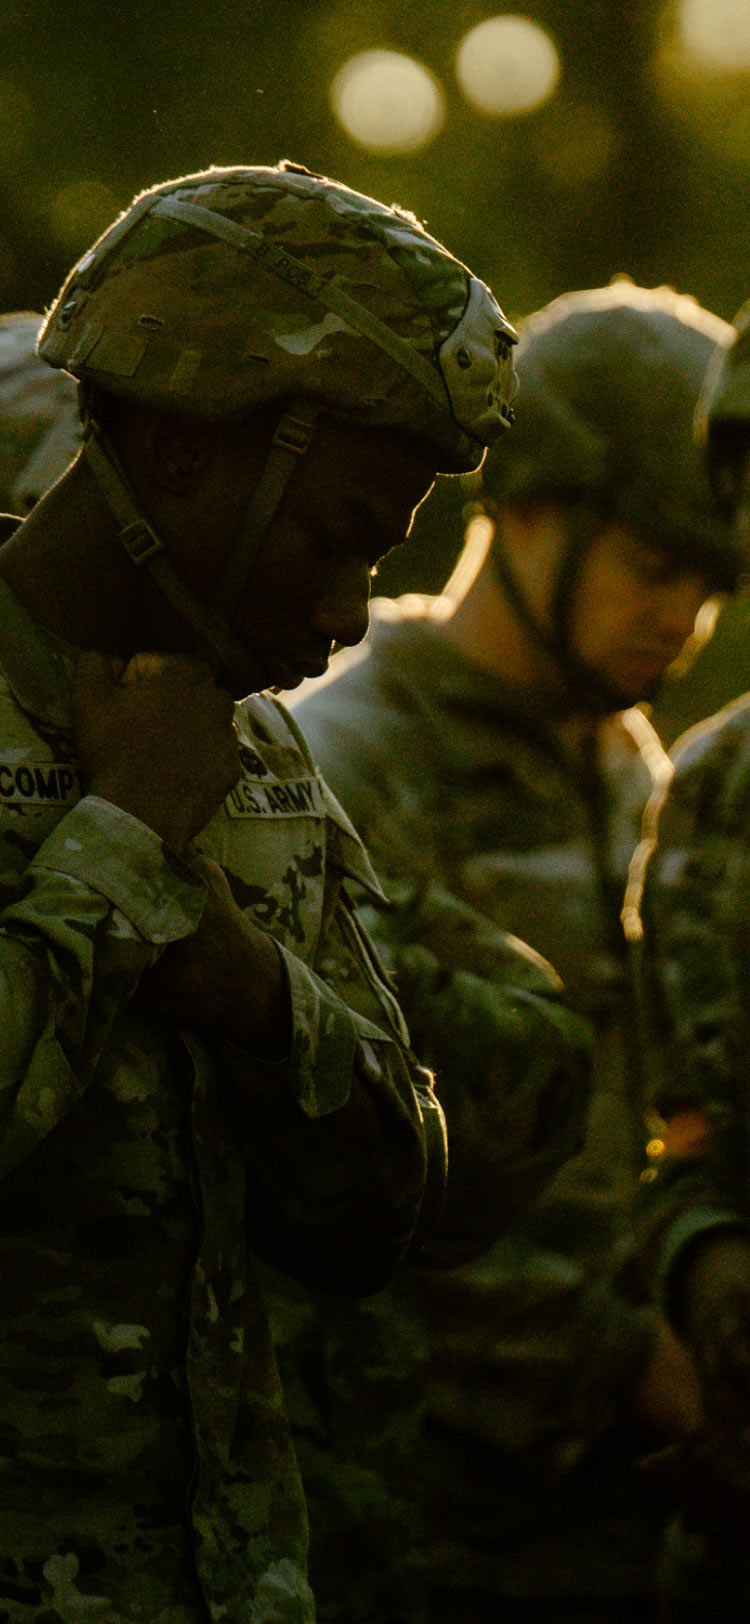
point(114, 98)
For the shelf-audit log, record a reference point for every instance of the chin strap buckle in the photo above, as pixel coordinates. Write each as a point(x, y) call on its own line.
point(295, 432)
point(140, 541)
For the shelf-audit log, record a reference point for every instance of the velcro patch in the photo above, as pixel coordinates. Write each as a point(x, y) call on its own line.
point(38, 783)
point(290, 798)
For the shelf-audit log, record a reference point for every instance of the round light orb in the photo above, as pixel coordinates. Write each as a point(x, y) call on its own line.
point(716, 33)
point(388, 102)
point(507, 66)
point(701, 67)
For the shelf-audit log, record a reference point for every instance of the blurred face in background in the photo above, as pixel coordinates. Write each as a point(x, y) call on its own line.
point(634, 607)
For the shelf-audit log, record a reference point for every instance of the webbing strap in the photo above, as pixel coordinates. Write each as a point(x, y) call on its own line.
point(290, 442)
point(144, 546)
point(280, 263)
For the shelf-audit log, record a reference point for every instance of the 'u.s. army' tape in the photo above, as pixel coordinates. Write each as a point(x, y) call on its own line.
point(287, 798)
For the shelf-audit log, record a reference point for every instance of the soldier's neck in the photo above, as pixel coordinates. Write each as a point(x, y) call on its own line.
point(486, 629)
point(67, 568)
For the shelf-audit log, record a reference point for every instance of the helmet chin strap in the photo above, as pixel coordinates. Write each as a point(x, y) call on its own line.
point(291, 440)
point(587, 689)
point(143, 546)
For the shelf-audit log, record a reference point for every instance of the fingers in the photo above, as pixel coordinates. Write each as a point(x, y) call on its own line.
point(94, 669)
point(211, 871)
point(183, 671)
point(142, 666)
point(152, 663)
point(156, 736)
point(96, 666)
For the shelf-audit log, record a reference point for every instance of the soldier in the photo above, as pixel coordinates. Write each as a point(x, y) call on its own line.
point(695, 861)
point(481, 747)
point(199, 1057)
point(40, 430)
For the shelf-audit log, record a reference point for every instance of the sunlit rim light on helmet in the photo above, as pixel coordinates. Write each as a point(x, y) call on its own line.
point(716, 33)
point(388, 102)
point(507, 66)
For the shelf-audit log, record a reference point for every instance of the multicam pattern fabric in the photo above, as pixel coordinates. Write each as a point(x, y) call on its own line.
point(312, 289)
point(147, 1469)
point(693, 876)
point(725, 397)
point(520, 1358)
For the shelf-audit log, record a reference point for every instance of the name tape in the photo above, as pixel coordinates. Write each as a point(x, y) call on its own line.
point(38, 783)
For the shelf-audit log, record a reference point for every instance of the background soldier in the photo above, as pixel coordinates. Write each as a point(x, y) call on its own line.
point(40, 430)
point(199, 1058)
point(485, 752)
point(696, 1219)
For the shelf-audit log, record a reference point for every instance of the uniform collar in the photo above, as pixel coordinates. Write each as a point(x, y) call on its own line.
point(37, 665)
point(475, 717)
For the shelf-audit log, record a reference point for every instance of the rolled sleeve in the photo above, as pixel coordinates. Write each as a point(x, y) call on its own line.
point(324, 1040)
point(123, 860)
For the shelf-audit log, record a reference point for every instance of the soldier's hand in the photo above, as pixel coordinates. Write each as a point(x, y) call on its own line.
point(156, 737)
point(716, 1306)
point(668, 1396)
point(227, 976)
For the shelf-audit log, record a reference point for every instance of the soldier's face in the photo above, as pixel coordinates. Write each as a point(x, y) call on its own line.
point(351, 499)
point(634, 609)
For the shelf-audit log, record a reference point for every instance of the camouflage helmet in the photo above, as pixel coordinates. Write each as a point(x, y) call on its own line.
point(40, 430)
point(222, 290)
point(722, 418)
point(227, 290)
point(609, 379)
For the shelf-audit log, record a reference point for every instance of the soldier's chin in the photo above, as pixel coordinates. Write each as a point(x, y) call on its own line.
point(245, 677)
point(639, 685)
point(643, 692)
point(603, 694)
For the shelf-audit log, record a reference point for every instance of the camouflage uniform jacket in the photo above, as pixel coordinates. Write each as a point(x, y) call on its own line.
point(453, 785)
point(147, 1467)
point(692, 873)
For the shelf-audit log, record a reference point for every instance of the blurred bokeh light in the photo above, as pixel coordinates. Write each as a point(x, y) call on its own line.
point(704, 70)
point(716, 32)
point(507, 66)
point(387, 102)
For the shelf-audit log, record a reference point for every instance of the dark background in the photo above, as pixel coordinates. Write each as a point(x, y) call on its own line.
point(98, 100)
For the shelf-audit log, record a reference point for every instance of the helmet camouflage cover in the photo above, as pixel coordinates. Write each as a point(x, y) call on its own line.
point(226, 289)
point(723, 417)
point(610, 379)
point(40, 431)
point(725, 397)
